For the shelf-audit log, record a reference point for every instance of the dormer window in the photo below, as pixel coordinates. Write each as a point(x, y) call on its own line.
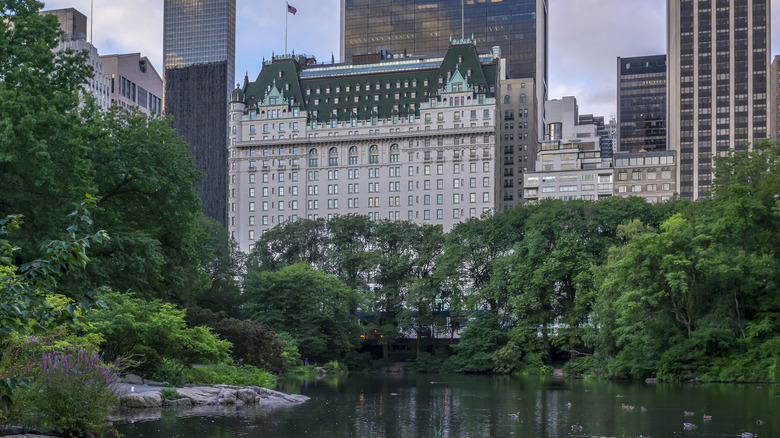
point(327, 90)
point(280, 74)
point(318, 90)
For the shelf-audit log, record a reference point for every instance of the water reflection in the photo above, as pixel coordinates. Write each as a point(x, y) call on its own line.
point(479, 406)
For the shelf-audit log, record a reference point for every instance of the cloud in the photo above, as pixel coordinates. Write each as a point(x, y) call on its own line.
point(586, 37)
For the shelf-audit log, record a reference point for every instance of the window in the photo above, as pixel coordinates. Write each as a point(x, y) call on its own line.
point(373, 154)
point(251, 206)
point(486, 196)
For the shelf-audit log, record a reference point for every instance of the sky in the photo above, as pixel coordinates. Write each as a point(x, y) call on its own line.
point(586, 37)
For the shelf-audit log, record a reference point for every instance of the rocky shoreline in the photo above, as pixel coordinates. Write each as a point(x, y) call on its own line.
point(214, 395)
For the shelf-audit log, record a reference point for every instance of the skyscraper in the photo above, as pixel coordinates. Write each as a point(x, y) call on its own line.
point(199, 39)
point(641, 103)
point(718, 63)
point(424, 27)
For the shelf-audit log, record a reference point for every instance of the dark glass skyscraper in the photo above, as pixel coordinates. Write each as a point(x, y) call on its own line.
point(641, 103)
point(717, 83)
point(424, 27)
point(199, 39)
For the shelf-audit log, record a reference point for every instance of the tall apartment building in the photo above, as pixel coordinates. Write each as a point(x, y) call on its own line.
point(74, 37)
point(568, 161)
point(641, 103)
point(198, 73)
point(425, 27)
point(134, 82)
point(517, 138)
point(774, 101)
point(399, 139)
point(603, 131)
point(718, 65)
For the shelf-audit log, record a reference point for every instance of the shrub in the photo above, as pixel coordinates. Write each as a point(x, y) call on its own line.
point(169, 394)
point(226, 374)
point(253, 343)
point(72, 392)
point(334, 367)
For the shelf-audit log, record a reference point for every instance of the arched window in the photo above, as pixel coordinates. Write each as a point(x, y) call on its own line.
point(506, 99)
point(522, 98)
point(333, 157)
point(313, 160)
point(373, 155)
point(353, 155)
point(395, 154)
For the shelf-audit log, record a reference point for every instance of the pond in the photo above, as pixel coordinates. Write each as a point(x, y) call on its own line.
point(430, 405)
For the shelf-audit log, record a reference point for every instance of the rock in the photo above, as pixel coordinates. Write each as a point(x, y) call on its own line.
point(246, 395)
point(200, 395)
point(227, 397)
point(271, 398)
point(134, 380)
point(153, 383)
point(182, 402)
point(651, 380)
point(148, 399)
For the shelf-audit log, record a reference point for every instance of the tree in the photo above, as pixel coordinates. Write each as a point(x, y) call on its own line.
point(303, 241)
point(478, 344)
point(24, 289)
point(157, 332)
point(315, 308)
point(253, 343)
point(42, 153)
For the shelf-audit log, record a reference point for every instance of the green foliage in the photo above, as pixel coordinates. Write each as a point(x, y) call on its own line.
point(156, 331)
point(227, 374)
point(697, 297)
point(315, 308)
point(169, 393)
point(25, 289)
point(426, 363)
point(72, 389)
point(253, 343)
point(290, 351)
point(334, 367)
point(478, 344)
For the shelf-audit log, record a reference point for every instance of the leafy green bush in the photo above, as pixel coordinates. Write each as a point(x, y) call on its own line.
point(334, 367)
point(169, 393)
point(226, 374)
point(72, 391)
point(253, 343)
point(157, 332)
point(426, 363)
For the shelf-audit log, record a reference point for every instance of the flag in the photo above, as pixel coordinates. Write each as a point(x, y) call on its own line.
point(291, 9)
point(332, 59)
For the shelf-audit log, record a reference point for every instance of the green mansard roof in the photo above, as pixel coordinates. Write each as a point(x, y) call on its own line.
point(285, 74)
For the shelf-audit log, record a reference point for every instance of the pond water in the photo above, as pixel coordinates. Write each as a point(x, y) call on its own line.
point(429, 405)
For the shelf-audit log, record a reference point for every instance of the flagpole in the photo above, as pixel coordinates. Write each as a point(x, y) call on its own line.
point(286, 13)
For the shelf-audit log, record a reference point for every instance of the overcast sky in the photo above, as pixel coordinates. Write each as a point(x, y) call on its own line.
point(586, 37)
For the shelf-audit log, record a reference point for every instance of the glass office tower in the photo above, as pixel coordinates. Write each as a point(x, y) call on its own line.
point(424, 27)
point(641, 103)
point(717, 83)
point(199, 39)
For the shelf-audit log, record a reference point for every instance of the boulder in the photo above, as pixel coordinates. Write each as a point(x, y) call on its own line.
point(134, 380)
point(200, 395)
point(148, 399)
point(246, 395)
point(153, 383)
point(651, 380)
point(182, 402)
point(227, 397)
